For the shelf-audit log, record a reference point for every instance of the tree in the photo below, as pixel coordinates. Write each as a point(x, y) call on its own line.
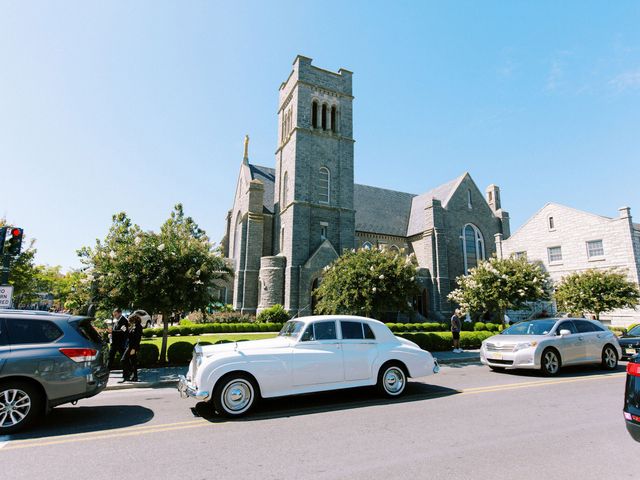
point(497, 285)
point(367, 282)
point(174, 270)
point(596, 291)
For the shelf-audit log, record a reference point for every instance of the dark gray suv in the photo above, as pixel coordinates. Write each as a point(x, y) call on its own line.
point(46, 360)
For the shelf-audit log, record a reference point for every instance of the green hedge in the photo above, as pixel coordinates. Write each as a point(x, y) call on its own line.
point(441, 341)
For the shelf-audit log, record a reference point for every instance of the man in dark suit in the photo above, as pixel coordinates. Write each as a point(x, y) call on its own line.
point(118, 336)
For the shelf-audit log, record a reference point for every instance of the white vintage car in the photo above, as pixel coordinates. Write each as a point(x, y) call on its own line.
point(310, 354)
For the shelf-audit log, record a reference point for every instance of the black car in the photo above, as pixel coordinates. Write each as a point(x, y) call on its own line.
point(630, 343)
point(632, 398)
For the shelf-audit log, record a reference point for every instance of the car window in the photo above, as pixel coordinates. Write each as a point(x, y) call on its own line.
point(351, 330)
point(23, 331)
point(87, 331)
point(3, 333)
point(368, 333)
point(584, 327)
point(566, 325)
point(325, 330)
point(307, 336)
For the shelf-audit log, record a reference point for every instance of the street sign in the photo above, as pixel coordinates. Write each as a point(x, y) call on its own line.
point(6, 293)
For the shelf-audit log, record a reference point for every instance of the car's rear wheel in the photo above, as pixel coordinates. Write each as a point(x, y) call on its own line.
point(609, 358)
point(550, 362)
point(392, 379)
point(20, 404)
point(235, 394)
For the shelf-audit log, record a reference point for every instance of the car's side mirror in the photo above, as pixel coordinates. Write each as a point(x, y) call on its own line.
point(564, 332)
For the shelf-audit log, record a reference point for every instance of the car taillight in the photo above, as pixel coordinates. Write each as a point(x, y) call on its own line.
point(80, 355)
point(633, 369)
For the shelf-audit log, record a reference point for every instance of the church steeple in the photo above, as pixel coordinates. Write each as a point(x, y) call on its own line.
point(245, 159)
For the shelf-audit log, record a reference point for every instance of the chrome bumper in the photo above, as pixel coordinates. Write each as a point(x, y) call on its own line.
point(186, 390)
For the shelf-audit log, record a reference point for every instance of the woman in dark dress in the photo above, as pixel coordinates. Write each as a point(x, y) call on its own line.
point(130, 362)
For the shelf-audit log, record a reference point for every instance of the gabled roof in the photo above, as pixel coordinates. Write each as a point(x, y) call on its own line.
point(383, 211)
point(417, 221)
point(268, 177)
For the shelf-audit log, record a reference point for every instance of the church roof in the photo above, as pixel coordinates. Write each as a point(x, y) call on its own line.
point(417, 220)
point(268, 177)
point(383, 211)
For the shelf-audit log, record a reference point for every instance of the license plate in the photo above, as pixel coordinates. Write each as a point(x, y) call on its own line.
point(494, 356)
point(630, 350)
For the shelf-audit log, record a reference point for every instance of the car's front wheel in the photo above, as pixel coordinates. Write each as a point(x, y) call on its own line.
point(609, 358)
point(392, 380)
point(235, 394)
point(20, 404)
point(550, 362)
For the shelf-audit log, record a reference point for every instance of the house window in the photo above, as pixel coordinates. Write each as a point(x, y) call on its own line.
point(324, 181)
point(472, 246)
point(520, 255)
point(285, 190)
point(367, 246)
point(314, 114)
point(324, 226)
point(324, 116)
point(552, 224)
point(333, 119)
point(595, 248)
point(555, 254)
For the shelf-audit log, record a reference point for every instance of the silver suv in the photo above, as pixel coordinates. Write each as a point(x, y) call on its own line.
point(46, 360)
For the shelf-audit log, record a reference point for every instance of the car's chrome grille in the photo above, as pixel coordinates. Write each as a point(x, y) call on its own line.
point(493, 347)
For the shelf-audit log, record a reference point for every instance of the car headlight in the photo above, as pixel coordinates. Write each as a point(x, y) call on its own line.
point(523, 345)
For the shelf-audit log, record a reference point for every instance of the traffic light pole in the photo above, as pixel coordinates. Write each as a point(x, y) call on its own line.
point(6, 259)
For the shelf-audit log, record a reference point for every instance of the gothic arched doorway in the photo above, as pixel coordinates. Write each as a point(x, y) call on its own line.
point(421, 303)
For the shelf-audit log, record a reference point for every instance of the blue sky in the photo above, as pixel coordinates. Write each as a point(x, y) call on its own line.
point(136, 106)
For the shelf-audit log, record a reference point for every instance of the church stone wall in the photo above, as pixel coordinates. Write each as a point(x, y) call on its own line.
point(271, 281)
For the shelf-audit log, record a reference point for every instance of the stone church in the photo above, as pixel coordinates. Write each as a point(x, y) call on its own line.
point(288, 223)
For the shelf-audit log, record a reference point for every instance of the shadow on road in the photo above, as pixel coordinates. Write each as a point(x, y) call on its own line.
point(332, 401)
point(566, 372)
point(70, 420)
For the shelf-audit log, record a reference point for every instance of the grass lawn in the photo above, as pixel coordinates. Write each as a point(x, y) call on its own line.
point(211, 337)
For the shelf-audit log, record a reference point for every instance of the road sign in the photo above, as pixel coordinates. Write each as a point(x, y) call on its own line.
point(6, 293)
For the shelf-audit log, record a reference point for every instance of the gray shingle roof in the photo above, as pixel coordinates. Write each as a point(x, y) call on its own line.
point(383, 211)
point(268, 177)
point(417, 221)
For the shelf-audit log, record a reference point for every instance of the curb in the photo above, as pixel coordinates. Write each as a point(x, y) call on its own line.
point(130, 385)
point(449, 361)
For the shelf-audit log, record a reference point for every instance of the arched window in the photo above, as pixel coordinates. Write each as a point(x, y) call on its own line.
point(333, 119)
point(285, 191)
point(469, 202)
point(324, 182)
point(324, 116)
point(367, 246)
point(314, 114)
point(472, 246)
point(282, 240)
point(552, 224)
point(394, 248)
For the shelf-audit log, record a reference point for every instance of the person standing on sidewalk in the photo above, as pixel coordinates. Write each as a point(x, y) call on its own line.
point(456, 326)
point(130, 357)
point(118, 336)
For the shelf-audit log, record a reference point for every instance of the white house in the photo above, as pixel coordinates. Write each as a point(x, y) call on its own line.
point(567, 240)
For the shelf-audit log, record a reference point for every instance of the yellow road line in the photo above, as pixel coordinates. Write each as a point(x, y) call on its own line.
point(167, 427)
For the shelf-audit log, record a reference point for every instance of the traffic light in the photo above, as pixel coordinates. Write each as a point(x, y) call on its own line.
point(3, 237)
point(14, 241)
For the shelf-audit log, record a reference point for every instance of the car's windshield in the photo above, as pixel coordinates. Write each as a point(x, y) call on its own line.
point(291, 329)
point(635, 331)
point(531, 327)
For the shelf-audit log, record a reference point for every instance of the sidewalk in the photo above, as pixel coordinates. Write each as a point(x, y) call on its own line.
point(168, 376)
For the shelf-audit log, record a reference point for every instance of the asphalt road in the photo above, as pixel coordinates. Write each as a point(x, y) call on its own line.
point(464, 423)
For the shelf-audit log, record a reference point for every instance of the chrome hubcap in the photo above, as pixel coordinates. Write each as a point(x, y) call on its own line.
point(237, 396)
point(14, 407)
point(610, 357)
point(551, 362)
point(394, 380)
